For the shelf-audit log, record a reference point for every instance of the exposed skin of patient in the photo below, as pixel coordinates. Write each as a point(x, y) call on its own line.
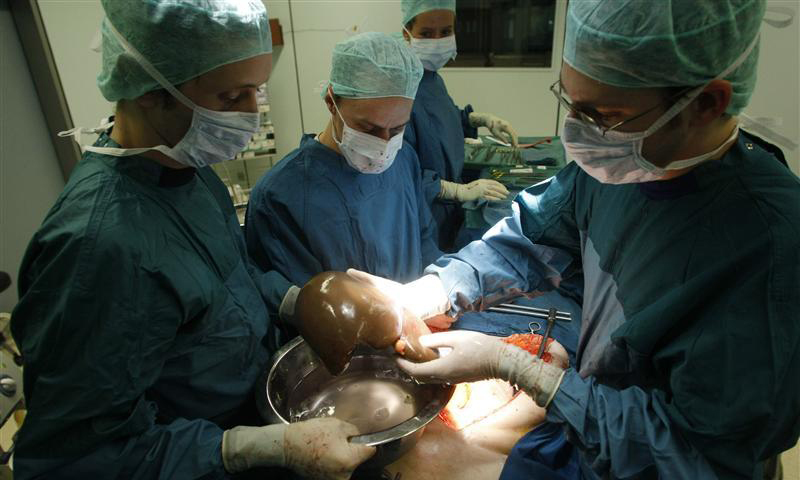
point(478, 451)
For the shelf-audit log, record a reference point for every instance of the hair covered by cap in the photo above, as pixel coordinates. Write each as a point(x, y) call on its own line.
point(374, 65)
point(182, 39)
point(665, 43)
point(412, 8)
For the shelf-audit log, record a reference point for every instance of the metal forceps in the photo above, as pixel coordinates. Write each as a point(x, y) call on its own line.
point(535, 327)
point(496, 173)
point(552, 316)
point(551, 320)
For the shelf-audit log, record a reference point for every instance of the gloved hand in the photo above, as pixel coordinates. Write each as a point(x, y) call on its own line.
point(316, 448)
point(491, 190)
point(500, 128)
point(424, 297)
point(475, 356)
point(319, 448)
point(286, 309)
point(472, 141)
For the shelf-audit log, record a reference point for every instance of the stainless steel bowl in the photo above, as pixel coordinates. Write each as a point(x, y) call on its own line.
point(372, 393)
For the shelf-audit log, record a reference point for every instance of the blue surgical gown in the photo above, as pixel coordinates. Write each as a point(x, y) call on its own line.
point(312, 212)
point(142, 325)
point(689, 341)
point(436, 132)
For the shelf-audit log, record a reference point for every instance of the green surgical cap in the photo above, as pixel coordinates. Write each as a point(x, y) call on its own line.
point(665, 43)
point(412, 8)
point(374, 65)
point(182, 39)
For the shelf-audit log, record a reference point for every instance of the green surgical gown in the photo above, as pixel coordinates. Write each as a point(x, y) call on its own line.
point(689, 349)
point(142, 325)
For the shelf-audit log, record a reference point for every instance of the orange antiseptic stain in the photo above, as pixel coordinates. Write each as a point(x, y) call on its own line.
point(530, 343)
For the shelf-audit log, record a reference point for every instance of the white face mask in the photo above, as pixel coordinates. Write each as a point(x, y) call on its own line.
point(213, 136)
point(434, 53)
point(616, 157)
point(364, 152)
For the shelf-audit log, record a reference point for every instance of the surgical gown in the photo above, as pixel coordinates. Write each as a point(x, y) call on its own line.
point(436, 131)
point(690, 332)
point(313, 212)
point(142, 325)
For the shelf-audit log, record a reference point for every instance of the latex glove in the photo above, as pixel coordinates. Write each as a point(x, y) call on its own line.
point(316, 448)
point(286, 309)
point(559, 353)
point(424, 297)
point(491, 190)
point(474, 356)
point(500, 128)
point(472, 141)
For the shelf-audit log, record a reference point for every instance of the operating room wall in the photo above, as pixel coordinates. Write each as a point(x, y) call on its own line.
point(312, 27)
point(71, 27)
point(776, 99)
point(520, 95)
point(30, 176)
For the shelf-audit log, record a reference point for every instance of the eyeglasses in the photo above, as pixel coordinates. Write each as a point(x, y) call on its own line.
point(592, 119)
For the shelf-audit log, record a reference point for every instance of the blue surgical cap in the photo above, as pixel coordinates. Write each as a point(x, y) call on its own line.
point(665, 43)
point(182, 39)
point(412, 8)
point(374, 65)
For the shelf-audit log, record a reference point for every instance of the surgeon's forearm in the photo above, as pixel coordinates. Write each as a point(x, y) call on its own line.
point(431, 185)
point(426, 297)
point(625, 431)
point(460, 277)
point(448, 190)
point(244, 448)
point(502, 265)
point(273, 287)
point(477, 277)
point(469, 130)
point(537, 378)
point(191, 447)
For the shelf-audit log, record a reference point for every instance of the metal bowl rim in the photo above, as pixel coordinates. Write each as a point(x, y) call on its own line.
point(401, 430)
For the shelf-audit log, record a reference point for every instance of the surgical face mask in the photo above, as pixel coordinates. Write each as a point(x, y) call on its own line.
point(212, 137)
point(434, 53)
point(616, 157)
point(364, 152)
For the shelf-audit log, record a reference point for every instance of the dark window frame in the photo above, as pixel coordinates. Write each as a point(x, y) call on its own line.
point(478, 47)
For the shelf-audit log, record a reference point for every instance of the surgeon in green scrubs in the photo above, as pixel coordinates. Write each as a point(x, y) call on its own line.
point(142, 323)
point(685, 234)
